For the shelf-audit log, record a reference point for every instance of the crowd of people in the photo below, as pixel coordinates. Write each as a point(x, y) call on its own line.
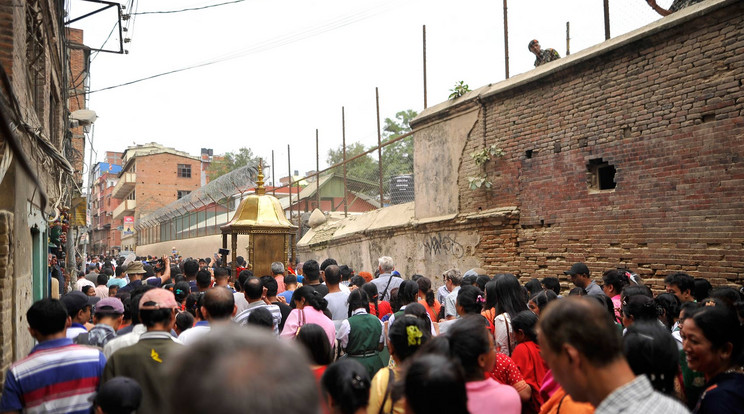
point(152, 336)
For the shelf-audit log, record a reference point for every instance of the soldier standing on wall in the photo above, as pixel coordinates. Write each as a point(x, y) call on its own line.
point(676, 6)
point(542, 56)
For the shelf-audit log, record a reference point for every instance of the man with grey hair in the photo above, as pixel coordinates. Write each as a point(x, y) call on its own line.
point(452, 279)
point(237, 371)
point(277, 269)
point(386, 281)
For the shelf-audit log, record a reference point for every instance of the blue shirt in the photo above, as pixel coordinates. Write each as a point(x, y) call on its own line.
point(287, 295)
point(57, 376)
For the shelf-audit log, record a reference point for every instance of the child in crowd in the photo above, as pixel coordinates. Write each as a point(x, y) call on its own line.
point(527, 356)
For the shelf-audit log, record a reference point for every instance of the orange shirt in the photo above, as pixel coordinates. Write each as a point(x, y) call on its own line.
point(433, 310)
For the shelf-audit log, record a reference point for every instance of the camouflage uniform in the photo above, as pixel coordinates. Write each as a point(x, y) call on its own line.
point(98, 336)
point(547, 55)
point(678, 5)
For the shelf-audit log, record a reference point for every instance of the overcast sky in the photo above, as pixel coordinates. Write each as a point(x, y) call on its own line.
point(286, 67)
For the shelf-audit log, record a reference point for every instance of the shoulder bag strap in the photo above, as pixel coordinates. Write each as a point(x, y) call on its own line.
point(388, 390)
point(508, 335)
point(301, 319)
point(382, 297)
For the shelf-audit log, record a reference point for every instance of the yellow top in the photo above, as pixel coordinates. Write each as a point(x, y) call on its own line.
point(377, 393)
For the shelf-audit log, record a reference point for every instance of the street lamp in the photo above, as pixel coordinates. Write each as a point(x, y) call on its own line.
point(85, 118)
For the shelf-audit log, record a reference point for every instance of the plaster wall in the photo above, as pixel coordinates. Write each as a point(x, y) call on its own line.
point(438, 149)
point(199, 247)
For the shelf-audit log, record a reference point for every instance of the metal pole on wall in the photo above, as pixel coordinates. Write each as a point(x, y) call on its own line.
point(317, 171)
point(84, 254)
point(378, 121)
point(299, 211)
point(343, 137)
point(607, 18)
point(506, 41)
point(289, 169)
point(568, 38)
point(379, 134)
point(273, 184)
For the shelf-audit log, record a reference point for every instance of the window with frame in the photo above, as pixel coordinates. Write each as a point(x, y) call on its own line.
point(183, 193)
point(184, 170)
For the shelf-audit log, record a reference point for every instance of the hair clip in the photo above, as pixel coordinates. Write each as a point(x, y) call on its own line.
point(356, 382)
point(414, 335)
point(480, 299)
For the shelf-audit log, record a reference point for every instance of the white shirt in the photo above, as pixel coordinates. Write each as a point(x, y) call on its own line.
point(83, 282)
point(337, 304)
point(449, 303)
point(240, 302)
point(191, 335)
point(124, 341)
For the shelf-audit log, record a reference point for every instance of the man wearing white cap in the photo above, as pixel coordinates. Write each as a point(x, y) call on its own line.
point(144, 360)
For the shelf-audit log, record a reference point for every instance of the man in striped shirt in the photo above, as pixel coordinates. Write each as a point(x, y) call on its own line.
point(57, 376)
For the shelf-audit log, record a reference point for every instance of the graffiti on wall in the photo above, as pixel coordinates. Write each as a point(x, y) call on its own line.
point(443, 244)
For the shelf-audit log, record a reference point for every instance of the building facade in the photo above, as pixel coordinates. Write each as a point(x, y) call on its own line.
point(152, 176)
point(40, 161)
point(106, 232)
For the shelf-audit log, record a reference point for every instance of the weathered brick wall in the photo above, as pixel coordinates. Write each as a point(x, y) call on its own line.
point(78, 79)
point(667, 111)
point(6, 289)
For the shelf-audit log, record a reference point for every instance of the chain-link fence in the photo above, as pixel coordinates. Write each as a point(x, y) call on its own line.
point(370, 178)
point(365, 178)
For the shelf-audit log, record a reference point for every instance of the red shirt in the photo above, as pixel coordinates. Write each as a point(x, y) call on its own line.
point(384, 306)
point(527, 357)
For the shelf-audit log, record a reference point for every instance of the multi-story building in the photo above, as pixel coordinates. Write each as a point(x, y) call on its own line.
point(105, 231)
point(152, 176)
point(38, 172)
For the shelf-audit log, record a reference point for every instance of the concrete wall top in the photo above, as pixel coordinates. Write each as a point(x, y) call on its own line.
point(471, 99)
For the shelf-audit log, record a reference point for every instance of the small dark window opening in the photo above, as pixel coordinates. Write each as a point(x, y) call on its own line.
point(528, 154)
point(184, 170)
point(601, 175)
point(183, 193)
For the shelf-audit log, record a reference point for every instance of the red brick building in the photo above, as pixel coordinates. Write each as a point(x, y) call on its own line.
point(152, 176)
point(105, 231)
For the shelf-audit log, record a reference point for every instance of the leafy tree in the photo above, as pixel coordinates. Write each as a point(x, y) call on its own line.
point(364, 167)
point(398, 157)
point(232, 161)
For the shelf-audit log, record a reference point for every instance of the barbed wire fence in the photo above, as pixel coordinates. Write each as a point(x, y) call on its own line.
point(367, 178)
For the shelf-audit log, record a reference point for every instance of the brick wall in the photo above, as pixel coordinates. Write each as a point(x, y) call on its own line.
point(78, 80)
point(158, 182)
point(667, 111)
point(6, 289)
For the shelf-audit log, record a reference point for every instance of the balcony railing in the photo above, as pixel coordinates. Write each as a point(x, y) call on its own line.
point(124, 186)
point(125, 208)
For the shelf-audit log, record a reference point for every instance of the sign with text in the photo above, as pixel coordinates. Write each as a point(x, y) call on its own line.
point(128, 226)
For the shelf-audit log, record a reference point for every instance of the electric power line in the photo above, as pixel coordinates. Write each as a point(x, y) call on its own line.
point(267, 45)
point(191, 9)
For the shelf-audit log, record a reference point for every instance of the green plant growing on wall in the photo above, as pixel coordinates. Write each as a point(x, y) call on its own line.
point(459, 90)
point(481, 157)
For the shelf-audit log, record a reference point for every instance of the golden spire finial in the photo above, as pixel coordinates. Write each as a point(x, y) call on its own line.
point(260, 190)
